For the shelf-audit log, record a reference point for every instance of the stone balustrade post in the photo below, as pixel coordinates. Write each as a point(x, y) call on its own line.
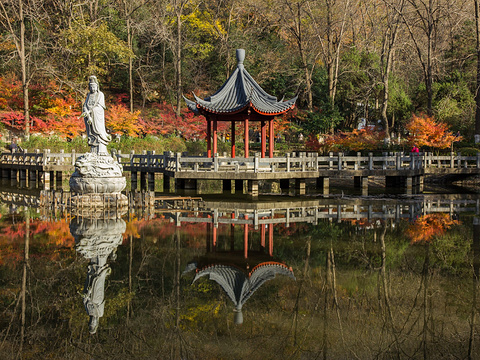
point(178, 157)
point(132, 154)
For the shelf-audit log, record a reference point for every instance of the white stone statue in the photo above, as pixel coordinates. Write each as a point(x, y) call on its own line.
point(96, 172)
point(94, 116)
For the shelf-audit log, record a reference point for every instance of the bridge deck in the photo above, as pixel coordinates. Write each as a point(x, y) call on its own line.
point(291, 166)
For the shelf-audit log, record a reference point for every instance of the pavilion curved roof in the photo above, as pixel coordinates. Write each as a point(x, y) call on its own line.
point(238, 93)
point(236, 284)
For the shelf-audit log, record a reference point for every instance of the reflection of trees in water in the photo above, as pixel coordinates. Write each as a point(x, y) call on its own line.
point(378, 296)
point(475, 280)
point(412, 310)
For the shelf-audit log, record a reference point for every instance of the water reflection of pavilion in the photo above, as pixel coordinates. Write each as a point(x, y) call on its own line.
point(239, 272)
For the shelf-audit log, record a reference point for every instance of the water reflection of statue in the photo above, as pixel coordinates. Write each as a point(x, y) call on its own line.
point(94, 115)
point(94, 291)
point(97, 240)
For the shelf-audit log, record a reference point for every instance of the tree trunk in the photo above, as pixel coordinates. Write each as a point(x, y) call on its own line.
point(477, 92)
point(23, 63)
point(130, 61)
point(24, 280)
point(179, 61)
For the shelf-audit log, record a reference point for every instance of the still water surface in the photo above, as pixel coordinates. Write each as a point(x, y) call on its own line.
point(285, 279)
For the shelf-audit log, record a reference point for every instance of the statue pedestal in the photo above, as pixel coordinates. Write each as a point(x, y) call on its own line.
point(97, 182)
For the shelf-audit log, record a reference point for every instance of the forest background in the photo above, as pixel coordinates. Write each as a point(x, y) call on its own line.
point(389, 62)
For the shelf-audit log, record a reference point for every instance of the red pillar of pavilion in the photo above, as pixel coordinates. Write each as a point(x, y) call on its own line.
point(214, 237)
point(209, 138)
point(246, 138)
point(215, 150)
point(262, 236)
point(232, 138)
point(264, 138)
point(271, 138)
point(232, 234)
point(245, 238)
point(209, 226)
point(270, 239)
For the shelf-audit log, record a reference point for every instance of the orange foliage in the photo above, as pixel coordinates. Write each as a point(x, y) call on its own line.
point(131, 229)
point(121, 121)
point(357, 140)
point(425, 131)
point(44, 237)
point(64, 117)
point(426, 227)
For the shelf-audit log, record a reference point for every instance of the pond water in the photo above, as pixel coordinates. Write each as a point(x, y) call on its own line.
point(282, 278)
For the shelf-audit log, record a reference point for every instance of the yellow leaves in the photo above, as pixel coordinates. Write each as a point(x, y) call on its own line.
point(132, 229)
point(94, 46)
point(427, 227)
point(7, 46)
point(200, 313)
point(117, 303)
point(202, 21)
point(63, 107)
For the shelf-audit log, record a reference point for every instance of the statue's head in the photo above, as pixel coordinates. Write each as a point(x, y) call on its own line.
point(93, 324)
point(93, 83)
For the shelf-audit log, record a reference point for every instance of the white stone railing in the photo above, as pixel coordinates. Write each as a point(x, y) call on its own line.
point(294, 162)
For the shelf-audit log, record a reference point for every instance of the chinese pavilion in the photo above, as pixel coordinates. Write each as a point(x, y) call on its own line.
point(240, 99)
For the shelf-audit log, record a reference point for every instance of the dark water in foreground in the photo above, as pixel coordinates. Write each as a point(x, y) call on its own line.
point(310, 279)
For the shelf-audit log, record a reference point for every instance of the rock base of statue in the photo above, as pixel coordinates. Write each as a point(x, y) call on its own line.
point(98, 203)
point(97, 181)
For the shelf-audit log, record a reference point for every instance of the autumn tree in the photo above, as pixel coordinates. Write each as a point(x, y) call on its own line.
point(121, 121)
point(21, 22)
point(93, 48)
point(425, 131)
point(356, 140)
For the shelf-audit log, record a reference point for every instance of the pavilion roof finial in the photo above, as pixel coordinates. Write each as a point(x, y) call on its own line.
point(240, 57)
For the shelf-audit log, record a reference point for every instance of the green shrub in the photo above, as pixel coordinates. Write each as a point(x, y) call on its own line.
point(468, 151)
point(55, 144)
